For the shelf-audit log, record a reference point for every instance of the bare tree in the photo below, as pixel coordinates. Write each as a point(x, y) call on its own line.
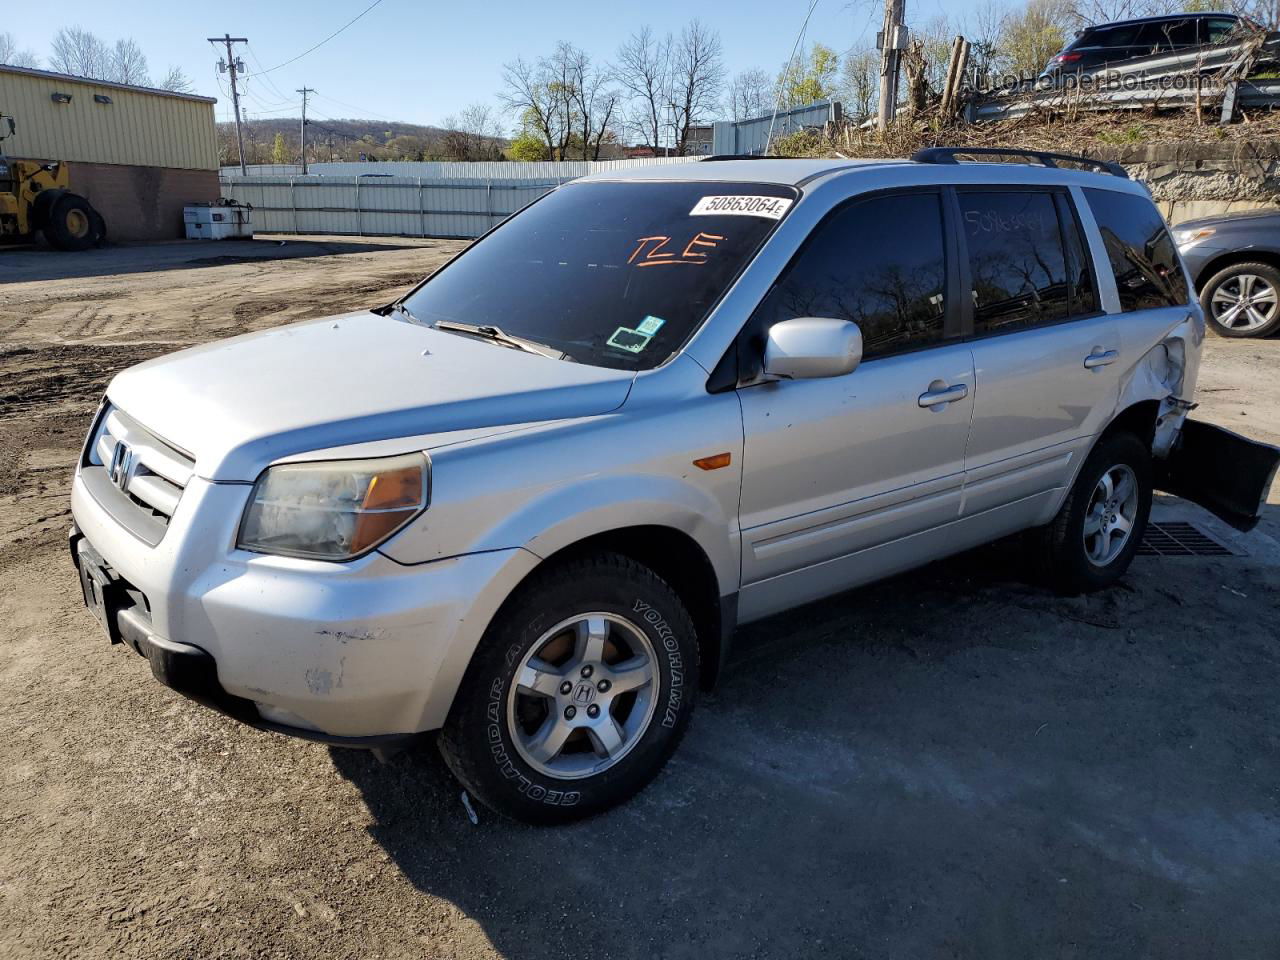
point(176, 81)
point(594, 99)
point(750, 94)
point(860, 83)
point(11, 55)
point(529, 91)
point(697, 79)
point(128, 64)
point(643, 69)
point(81, 53)
point(473, 134)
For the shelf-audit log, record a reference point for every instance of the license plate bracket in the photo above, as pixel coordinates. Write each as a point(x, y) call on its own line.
point(99, 588)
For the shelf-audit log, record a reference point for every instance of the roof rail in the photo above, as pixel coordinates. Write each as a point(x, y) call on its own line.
point(742, 156)
point(949, 154)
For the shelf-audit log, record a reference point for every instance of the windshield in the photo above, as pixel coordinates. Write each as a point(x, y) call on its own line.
point(611, 274)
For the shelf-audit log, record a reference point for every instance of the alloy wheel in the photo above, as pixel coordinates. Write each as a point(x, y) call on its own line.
point(583, 696)
point(1111, 515)
point(1244, 302)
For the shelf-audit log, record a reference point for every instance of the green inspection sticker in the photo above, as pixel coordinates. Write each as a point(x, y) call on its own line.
point(650, 325)
point(633, 341)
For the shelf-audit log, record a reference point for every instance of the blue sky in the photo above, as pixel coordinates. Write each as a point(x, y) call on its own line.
point(419, 61)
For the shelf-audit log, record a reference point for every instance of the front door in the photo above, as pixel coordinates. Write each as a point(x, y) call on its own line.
point(835, 467)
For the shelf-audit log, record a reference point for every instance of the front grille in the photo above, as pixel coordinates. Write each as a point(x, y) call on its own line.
point(135, 475)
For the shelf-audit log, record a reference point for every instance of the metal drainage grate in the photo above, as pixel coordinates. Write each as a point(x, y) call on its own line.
point(1179, 539)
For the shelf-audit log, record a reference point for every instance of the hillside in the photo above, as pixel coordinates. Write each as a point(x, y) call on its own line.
point(353, 139)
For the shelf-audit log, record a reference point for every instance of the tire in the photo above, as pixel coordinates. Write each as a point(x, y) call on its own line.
point(99, 229)
point(1255, 287)
point(500, 738)
point(70, 223)
point(1071, 560)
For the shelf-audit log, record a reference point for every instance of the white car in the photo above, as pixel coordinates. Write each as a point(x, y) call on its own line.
point(528, 504)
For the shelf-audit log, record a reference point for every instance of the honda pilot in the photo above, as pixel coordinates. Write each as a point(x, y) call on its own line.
point(527, 504)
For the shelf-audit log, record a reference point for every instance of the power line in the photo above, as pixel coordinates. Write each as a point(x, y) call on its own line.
point(325, 40)
point(271, 83)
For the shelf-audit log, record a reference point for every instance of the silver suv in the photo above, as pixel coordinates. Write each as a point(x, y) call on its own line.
point(527, 504)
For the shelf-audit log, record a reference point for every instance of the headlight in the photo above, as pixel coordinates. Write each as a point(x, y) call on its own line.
point(335, 510)
point(1184, 238)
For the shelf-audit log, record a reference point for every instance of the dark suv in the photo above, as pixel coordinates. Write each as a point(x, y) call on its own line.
point(1109, 43)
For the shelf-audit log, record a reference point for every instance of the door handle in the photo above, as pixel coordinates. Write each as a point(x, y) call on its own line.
point(1100, 359)
point(938, 396)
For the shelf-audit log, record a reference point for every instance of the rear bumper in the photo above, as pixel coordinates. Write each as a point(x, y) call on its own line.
point(1227, 474)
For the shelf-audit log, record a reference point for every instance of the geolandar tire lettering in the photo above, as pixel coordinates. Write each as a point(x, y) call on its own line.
point(577, 695)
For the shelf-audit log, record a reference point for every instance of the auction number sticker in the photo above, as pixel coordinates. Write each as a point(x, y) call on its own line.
point(771, 208)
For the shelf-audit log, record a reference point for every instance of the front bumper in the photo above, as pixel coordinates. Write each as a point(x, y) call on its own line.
point(366, 653)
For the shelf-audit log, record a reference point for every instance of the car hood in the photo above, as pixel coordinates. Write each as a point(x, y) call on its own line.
point(1250, 218)
point(236, 405)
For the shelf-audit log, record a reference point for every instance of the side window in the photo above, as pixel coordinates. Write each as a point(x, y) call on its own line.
point(1017, 261)
point(1143, 257)
point(1217, 31)
point(880, 263)
point(1178, 33)
point(1084, 292)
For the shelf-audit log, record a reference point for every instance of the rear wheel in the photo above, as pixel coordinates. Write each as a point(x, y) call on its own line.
point(578, 694)
point(71, 225)
point(1243, 300)
point(1093, 539)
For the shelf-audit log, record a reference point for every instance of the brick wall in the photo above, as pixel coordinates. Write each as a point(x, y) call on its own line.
point(142, 203)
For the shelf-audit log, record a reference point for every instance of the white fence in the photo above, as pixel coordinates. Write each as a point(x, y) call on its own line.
point(381, 206)
point(443, 169)
point(456, 200)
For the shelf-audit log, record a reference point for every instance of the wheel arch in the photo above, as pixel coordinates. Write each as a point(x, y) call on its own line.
point(1229, 258)
point(678, 559)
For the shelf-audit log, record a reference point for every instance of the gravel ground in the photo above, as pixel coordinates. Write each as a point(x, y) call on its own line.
point(954, 763)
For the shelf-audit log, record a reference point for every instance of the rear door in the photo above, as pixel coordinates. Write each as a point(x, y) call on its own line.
point(1045, 355)
point(1150, 282)
point(837, 466)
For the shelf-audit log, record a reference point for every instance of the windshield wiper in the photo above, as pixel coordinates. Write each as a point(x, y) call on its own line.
point(488, 331)
point(399, 307)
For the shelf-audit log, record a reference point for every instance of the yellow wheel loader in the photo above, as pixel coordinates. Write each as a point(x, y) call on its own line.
point(34, 198)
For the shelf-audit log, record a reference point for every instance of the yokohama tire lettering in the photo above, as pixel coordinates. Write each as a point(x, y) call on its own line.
point(675, 689)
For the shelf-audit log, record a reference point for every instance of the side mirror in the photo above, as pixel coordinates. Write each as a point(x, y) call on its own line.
point(9, 120)
point(809, 348)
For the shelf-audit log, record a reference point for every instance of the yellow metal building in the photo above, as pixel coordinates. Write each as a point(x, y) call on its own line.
point(138, 154)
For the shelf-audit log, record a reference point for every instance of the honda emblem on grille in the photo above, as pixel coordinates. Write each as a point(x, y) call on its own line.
point(121, 465)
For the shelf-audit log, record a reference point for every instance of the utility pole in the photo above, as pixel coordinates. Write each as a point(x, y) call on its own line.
point(304, 91)
point(891, 41)
point(231, 65)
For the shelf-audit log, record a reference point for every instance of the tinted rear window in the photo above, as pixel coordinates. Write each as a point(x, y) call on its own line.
point(1017, 261)
point(1143, 257)
point(610, 274)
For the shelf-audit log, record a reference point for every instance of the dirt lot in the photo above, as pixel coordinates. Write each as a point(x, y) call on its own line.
point(954, 763)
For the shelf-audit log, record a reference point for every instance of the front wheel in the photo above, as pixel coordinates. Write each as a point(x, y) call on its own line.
point(1093, 539)
point(578, 694)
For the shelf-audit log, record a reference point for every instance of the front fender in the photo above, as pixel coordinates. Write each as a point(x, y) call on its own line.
point(549, 487)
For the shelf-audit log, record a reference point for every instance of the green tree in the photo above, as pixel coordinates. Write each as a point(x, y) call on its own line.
point(811, 78)
point(1035, 33)
point(280, 150)
point(527, 146)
